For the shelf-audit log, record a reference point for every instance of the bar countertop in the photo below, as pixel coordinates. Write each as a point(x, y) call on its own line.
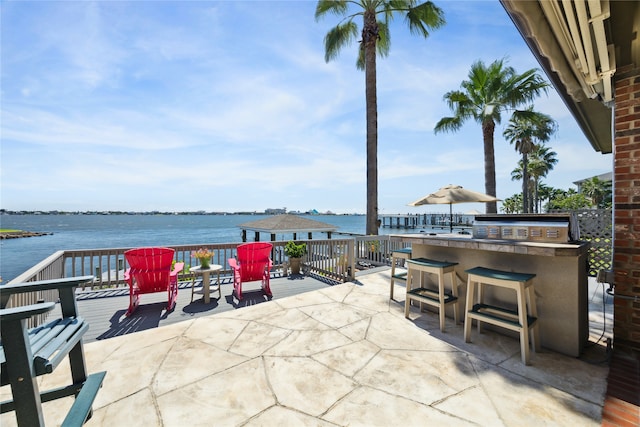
point(570, 249)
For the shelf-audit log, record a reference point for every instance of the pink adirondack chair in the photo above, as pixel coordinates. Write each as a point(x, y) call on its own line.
point(253, 263)
point(150, 272)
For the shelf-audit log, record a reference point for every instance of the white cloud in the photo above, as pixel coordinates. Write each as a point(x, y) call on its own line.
point(141, 105)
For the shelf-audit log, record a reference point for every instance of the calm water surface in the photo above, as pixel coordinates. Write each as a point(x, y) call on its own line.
point(124, 231)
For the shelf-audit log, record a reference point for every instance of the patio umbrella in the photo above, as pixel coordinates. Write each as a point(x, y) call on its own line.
point(451, 194)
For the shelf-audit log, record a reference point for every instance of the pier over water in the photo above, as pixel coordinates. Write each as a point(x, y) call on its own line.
point(424, 220)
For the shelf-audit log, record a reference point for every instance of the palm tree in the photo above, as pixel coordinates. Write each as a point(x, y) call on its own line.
point(597, 190)
point(525, 128)
point(518, 175)
point(541, 162)
point(483, 98)
point(376, 15)
point(544, 193)
point(512, 204)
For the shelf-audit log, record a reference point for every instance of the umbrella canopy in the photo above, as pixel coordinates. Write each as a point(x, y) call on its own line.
point(451, 194)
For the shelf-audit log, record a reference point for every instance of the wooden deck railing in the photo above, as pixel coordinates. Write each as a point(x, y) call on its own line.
point(377, 250)
point(334, 259)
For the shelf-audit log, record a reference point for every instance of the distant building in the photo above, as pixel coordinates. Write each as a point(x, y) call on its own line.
point(275, 211)
point(605, 177)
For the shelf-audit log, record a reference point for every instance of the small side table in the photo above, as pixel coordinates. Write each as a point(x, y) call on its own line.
point(206, 280)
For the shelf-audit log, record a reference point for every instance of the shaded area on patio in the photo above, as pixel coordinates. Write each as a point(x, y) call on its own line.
point(105, 309)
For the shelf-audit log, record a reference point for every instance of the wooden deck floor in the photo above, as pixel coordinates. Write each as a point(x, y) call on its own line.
point(104, 310)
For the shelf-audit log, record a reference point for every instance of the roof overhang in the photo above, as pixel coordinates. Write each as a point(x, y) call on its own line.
point(580, 44)
point(287, 223)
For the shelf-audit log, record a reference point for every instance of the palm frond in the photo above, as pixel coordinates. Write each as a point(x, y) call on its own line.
point(455, 97)
point(424, 17)
point(525, 87)
point(383, 44)
point(541, 125)
point(338, 37)
point(360, 64)
point(335, 7)
point(400, 4)
point(448, 124)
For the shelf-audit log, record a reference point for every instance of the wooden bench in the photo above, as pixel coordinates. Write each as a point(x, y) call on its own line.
point(26, 353)
point(398, 254)
point(523, 320)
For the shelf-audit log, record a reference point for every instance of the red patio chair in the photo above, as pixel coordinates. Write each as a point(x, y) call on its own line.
point(253, 263)
point(150, 272)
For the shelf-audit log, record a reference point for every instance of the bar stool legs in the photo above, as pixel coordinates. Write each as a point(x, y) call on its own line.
point(396, 255)
point(523, 321)
point(435, 298)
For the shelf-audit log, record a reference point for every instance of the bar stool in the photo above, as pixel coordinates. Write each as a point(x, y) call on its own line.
point(523, 320)
point(435, 298)
point(398, 254)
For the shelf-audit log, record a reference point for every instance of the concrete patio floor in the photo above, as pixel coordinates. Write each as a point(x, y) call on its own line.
point(342, 355)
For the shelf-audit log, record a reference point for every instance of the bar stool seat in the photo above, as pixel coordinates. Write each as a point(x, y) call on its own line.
point(522, 320)
point(398, 254)
point(434, 298)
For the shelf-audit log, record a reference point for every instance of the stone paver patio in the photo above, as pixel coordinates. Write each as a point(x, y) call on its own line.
point(343, 355)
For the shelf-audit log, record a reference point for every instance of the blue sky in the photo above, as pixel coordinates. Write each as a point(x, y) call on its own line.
point(230, 106)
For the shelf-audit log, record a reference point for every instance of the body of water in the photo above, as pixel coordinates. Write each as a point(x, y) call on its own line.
point(125, 231)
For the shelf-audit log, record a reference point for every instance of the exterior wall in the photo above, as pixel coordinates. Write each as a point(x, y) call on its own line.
point(626, 262)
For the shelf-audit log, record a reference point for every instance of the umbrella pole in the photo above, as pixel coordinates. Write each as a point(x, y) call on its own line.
point(451, 217)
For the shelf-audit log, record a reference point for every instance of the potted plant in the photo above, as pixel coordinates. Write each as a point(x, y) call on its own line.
point(295, 252)
point(204, 256)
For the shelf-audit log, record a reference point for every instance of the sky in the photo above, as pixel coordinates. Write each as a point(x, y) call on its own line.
point(230, 106)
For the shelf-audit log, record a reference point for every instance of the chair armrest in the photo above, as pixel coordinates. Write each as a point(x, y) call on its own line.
point(45, 285)
point(25, 311)
point(233, 263)
point(177, 268)
point(65, 286)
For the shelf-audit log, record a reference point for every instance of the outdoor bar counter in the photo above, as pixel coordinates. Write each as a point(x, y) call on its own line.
point(561, 286)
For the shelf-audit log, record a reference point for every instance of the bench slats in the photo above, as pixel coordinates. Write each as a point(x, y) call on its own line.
point(61, 348)
point(57, 337)
point(40, 336)
point(26, 354)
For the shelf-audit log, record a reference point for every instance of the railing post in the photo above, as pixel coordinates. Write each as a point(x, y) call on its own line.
point(351, 251)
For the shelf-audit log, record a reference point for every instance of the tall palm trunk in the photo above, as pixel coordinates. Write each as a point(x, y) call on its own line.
point(536, 195)
point(369, 38)
point(488, 127)
point(525, 184)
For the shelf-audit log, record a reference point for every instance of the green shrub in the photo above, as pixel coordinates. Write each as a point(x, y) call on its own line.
point(294, 250)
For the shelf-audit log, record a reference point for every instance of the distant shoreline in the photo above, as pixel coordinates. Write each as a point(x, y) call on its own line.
point(8, 212)
point(17, 234)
